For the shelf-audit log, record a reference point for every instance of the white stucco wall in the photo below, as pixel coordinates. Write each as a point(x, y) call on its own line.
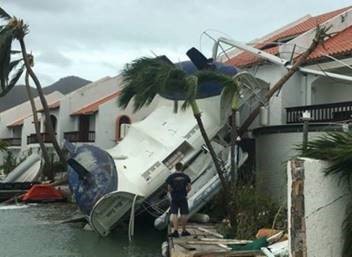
point(325, 90)
point(272, 153)
point(325, 203)
point(82, 97)
point(92, 92)
point(105, 120)
point(22, 111)
point(292, 93)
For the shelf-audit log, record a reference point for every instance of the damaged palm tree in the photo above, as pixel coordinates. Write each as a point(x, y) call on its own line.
point(16, 29)
point(320, 35)
point(146, 77)
point(36, 120)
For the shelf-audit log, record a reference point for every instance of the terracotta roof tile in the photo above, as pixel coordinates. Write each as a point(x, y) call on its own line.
point(94, 106)
point(18, 122)
point(244, 59)
point(339, 45)
point(52, 106)
point(307, 24)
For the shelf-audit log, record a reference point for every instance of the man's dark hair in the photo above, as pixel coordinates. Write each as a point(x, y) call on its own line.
point(179, 166)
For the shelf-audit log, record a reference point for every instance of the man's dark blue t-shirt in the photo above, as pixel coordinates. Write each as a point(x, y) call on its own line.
point(178, 181)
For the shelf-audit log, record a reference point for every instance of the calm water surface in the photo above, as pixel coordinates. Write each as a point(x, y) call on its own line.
point(35, 231)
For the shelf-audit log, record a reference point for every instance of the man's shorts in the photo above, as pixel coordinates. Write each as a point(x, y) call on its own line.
point(179, 204)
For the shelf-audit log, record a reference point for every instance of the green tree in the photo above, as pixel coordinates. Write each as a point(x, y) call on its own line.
point(16, 29)
point(144, 78)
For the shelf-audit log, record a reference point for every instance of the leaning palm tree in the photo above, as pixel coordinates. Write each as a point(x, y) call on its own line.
point(336, 148)
point(320, 35)
point(36, 120)
point(16, 29)
point(144, 78)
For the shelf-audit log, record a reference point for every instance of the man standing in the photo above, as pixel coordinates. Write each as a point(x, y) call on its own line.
point(179, 184)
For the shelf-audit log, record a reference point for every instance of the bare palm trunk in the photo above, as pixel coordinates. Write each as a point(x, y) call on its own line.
point(43, 101)
point(197, 116)
point(321, 32)
point(234, 170)
point(228, 202)
point(36, 122)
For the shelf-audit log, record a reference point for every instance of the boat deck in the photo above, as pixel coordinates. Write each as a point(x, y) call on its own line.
point(204, 241)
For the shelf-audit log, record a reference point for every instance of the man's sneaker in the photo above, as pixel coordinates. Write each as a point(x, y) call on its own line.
point(175, 234)
point(185, 233)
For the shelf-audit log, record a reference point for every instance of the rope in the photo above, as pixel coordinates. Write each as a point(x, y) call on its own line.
point(131, 223)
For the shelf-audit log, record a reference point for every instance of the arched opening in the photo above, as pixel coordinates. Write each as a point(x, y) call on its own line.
point(122, 125)
point(53, 121)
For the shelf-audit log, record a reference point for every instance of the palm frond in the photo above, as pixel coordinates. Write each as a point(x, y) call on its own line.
point(335, 147)
point(6, 38)
point(15, 63)
point(191, 90)
point(347, 230)
point(144, 78)
point(3, 146)
point(4, 15)
point(16, 51)
point(13, 81)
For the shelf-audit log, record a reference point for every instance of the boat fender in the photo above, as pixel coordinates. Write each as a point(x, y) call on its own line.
point(162, 221)
point(200, 218)
point(164, 249)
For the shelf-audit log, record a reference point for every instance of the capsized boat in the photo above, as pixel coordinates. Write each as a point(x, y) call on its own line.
point(107, 184)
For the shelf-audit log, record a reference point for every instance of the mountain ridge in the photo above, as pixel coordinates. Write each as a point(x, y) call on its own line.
point(18, 94)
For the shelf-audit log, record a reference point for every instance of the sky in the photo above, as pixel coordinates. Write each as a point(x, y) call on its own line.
point(96, 38)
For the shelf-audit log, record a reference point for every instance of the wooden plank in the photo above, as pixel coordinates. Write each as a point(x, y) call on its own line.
point(210, 232)
point(226, 241)
point(228, 254)
point(200, 242)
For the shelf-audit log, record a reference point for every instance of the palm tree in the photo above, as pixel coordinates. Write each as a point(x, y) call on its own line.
point(16, 29)
point(336, 148)
point(36, 121)
point(144, 78)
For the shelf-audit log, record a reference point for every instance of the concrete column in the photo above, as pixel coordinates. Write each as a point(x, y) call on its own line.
point(308, 81)
point(42, 122)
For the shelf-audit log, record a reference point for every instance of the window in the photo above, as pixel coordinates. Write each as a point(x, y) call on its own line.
point(122, 124)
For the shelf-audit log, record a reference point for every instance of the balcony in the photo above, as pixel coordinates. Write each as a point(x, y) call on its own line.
point(32, 139)
point(333, 112)
point(15, 141)
point(79, 137)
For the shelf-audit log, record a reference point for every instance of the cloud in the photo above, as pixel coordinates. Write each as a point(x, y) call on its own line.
point(43, 5)
point(54, 58)
point(93, 39)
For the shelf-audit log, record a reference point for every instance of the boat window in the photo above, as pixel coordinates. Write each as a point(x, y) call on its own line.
point(177, 155)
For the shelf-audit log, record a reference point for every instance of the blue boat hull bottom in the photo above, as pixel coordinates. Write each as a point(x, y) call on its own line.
point(91, 175)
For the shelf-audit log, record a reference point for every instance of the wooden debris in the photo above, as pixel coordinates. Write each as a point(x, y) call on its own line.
point(226, 241)
point(204, 241)
point(210, 232)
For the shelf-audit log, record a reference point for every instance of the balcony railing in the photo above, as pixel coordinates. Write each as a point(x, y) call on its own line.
point(15, 141)
point(32, 139)
point(333, 112)
point(77, 136)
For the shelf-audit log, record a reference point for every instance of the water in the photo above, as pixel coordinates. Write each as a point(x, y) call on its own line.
point(34, 231)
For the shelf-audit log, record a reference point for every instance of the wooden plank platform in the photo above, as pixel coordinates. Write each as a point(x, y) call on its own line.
point(205, 241)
